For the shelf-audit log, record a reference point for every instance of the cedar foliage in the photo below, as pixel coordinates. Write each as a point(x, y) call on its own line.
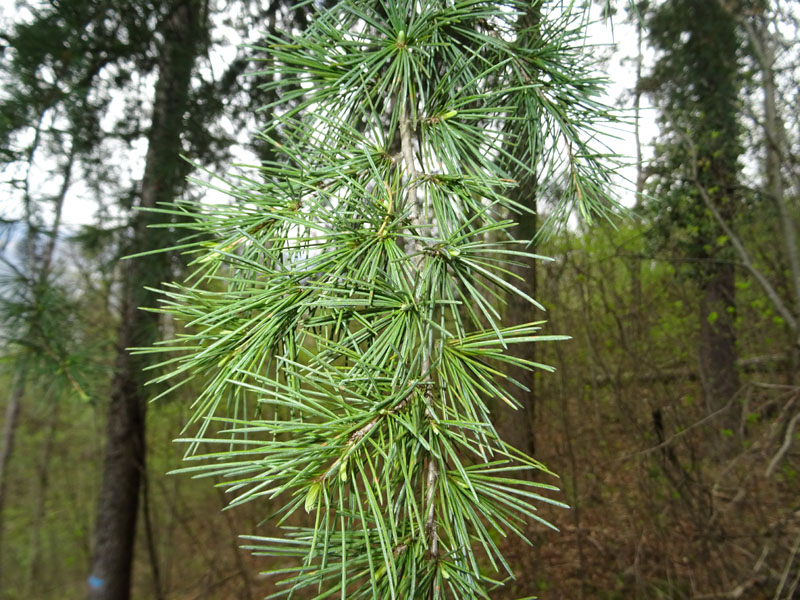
point(344, 311)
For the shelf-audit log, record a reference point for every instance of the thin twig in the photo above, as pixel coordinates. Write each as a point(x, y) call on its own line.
point(683, 432)
point(787, 443)
point(431, 525)
point(787, 569)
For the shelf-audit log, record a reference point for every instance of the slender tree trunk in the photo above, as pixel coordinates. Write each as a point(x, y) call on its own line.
point(9, 432)
point(14, 406)
point(35, 568)
point(774, 160)
point(634, 263)
point(125, 452)
point(641, 175)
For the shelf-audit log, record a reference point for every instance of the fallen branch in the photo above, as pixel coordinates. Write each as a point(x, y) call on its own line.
point(787, 443)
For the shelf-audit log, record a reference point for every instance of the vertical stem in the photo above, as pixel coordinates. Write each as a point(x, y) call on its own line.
point(432, 479)
point(637, 111)
point(30, 250)
point(49, 250)
point(431, 525)
point(125, 455)
point(9, 433)
point(775, 135)
point(407, 147)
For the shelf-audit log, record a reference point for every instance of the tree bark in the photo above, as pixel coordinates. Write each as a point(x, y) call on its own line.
point(697, 78)
point(517, 427)
point(718, 345)
point(35, 569)
point(123, 468)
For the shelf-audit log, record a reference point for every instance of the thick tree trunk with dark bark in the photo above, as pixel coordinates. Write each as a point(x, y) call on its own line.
point(716, 172)
point(718, 363)
point(697, 79)
point(517, 427)
point(124, 464)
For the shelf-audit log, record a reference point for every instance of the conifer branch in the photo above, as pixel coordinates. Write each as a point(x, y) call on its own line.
point(364, 317)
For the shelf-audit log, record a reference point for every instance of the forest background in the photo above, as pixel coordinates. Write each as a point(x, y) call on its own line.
point(672, 417)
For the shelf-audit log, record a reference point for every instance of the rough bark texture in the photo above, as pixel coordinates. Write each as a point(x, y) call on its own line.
point(125, 453)
point(718, 345)
point(697, 81)
point(517, 427)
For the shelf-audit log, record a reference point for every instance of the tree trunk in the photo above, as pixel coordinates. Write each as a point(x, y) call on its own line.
point(35, 569)
point(718, 347)
point(776, 156)
point(125, 452)
point(40, 282)
point(517, 427)
point(697, 78)
point(9, 431)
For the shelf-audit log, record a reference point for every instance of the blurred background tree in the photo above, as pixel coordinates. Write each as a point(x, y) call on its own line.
point(78, 104)
point(696, 81)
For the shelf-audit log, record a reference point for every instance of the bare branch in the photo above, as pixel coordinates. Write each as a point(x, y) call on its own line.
point(787, 443)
